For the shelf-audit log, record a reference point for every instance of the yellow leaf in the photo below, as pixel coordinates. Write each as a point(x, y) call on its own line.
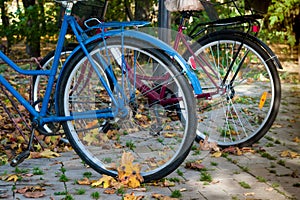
point(105, 181)
point(288, 153)
point(238, 151)
point(129, 173)
point(296, 139)
point(49, 154)
point(168, 183)
point(217, 154)
point(12, 177)
point(131, 196)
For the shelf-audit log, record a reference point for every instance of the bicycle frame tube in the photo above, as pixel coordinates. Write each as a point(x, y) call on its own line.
point(41, 116)
point(180, 37)
point(170, 51)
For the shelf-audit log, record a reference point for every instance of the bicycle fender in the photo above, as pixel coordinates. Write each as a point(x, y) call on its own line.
point(271, 53)
point(265, 47)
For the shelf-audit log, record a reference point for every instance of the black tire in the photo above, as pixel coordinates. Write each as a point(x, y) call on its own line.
point(232, 116)
point(159, 142)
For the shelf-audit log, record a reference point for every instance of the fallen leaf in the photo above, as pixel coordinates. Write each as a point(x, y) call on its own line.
point(205, 145)
point(129, 173)
point(170, 135)
point(34, 194)
point(131, 196)
point(84, 181)
point(296, 139)
point(168, 183)
point(196, 165)
point(217, 154)
point(140, 189)
point(91, 124)
point(248, 150)
point(12, 177)
point(45, 154)
point(238, 151)
point(249, 194)
point(105, 181)
point(109, 191)
point(157, 196)
point(49, 154)
point(269, 189)
point(289, 154)
point(162, 197)
point(30, 189)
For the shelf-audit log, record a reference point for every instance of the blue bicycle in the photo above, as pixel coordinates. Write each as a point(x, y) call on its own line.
point(118, 91)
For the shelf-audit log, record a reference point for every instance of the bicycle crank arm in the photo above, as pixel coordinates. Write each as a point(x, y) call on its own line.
point(20, 158)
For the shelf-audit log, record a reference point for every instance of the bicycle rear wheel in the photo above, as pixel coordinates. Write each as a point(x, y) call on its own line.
point(241, 110)
point(155, 96)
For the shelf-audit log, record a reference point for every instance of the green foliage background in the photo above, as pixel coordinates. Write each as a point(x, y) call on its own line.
point(277, 24)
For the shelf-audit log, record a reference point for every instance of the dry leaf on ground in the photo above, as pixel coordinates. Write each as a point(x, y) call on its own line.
point(289, 154)
point(296, 139)
point(34, 194)
point(129, 173)
point(84, 181)
point(131, 196)
point(162, 197)
point(205, 145)
point(45, 154)
point(105, 181)
point(196, 165)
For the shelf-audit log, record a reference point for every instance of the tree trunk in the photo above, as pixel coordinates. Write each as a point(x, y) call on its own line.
point(32, 40)
point(142, 10)
point(5, 22)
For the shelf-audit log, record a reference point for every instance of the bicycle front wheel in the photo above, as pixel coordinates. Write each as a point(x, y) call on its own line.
point(242, 107)
point(153, 117)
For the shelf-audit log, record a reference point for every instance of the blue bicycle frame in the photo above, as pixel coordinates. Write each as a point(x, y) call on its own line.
point(40, 118)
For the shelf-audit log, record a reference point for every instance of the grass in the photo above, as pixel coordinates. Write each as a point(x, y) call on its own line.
point(60, 193)
point(95, 195)
point(120, 191)
point(244, 185)
point(37, 171)
point(205, 176)
point(87, 174)
point(267, 155)
point(130, 145)
point(63, 178)
point(174, 179)
point(281, 162)
point(176, 194)
point(180, 173)
point(244, 168)
point(261, 179)
point(21, 171)
point(80, 191)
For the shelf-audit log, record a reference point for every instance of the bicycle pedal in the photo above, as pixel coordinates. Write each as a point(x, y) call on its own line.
point(20, 158)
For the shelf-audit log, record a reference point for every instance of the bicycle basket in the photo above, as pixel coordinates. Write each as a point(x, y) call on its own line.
point(90, 8)
point(259, 6)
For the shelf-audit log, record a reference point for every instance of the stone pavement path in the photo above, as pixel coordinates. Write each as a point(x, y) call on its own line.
point(249, 176)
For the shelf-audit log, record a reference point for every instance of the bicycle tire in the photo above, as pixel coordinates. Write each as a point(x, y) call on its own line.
point(226, 120)
point(153, 132)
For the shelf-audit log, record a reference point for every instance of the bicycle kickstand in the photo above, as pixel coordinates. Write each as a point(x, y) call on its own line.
point(25, 154)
